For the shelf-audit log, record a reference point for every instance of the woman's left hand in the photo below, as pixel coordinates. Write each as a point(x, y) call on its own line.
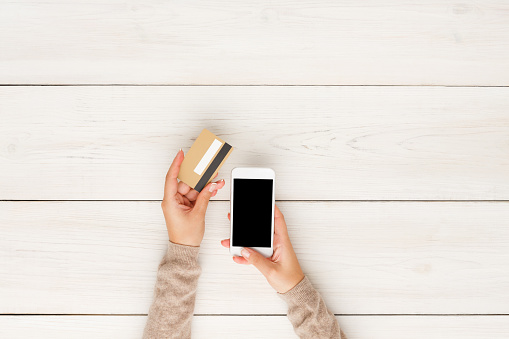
point(184, 208)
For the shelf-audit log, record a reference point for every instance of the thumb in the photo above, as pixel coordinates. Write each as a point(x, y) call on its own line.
point(257, 260)
point(202, 201)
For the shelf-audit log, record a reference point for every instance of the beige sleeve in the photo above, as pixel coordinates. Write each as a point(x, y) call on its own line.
point(171, 312)
point(309, 314)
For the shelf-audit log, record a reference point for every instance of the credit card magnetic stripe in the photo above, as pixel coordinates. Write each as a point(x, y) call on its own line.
point(213, 167)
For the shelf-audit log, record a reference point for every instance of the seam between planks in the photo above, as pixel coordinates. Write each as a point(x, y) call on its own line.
point(224, 200)
point(261, 315)
point(237, 85)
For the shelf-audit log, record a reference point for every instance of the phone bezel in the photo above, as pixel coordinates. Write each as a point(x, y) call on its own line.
point(253, 173)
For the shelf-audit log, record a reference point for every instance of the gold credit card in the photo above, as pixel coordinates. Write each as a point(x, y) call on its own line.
point(203, 160)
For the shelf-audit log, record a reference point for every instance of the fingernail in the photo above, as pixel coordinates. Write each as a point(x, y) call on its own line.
point(180, 150)
point(245, 253)
point(212, 187)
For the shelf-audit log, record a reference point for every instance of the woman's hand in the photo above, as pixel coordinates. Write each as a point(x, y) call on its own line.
point(184, 208)
point(282, 270)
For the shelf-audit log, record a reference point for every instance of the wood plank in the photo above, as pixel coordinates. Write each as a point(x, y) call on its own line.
point(254, 42)
point(364, 257)
point(330, 143)
point(361, 327)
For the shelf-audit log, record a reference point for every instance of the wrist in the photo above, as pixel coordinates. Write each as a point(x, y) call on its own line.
point(184, 240)
point(292, 283)
point(182, 245)
point(300, 294)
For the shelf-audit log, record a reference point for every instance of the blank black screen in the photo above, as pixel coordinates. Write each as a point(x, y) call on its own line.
point(252, 212)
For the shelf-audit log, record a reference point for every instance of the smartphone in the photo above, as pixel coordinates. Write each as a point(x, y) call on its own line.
point(252, 202)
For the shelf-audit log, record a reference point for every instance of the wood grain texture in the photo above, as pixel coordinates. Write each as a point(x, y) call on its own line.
point(364, 257)
point(356, 327)
point(325, 143)
point(392, 42)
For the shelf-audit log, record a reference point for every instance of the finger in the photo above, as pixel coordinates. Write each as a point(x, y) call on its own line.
point(171, 183)
point(183, 188)
point(202, 201)
point(184, 207)
point(225, 243)
point(192, 195)
point(240, 260)
point(220, 183)
point(257, 260)
point(229, 217)
point(279, 222)
point(187, 202)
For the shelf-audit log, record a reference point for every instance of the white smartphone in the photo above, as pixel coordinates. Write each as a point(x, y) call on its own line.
point(252, 203)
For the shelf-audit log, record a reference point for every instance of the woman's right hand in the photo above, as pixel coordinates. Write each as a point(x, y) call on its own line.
point(282, 270)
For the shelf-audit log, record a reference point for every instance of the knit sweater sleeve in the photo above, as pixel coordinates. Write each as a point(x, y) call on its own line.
point(308, 313)
point(172, 309)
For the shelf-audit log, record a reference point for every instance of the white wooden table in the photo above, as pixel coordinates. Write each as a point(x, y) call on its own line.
point(387, 123)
